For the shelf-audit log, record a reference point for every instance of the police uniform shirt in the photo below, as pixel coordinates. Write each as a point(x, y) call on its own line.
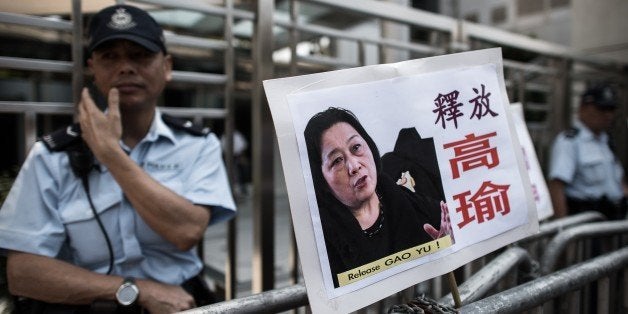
point(586, 164)
point(47, 211)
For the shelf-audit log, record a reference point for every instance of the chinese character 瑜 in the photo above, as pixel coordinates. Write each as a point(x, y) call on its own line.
point(484, 204)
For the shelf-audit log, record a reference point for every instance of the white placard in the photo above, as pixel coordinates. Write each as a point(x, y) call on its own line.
point(540, 192)
point(456, 101)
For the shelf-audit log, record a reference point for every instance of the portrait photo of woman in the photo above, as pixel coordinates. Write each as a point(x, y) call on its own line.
point(366, 213)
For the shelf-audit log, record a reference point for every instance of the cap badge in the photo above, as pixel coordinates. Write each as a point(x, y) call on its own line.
point(121, 20)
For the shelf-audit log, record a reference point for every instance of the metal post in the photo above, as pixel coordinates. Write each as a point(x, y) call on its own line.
point(603, 295)
point(263, 144)
point(361, 53)
point(294, 37)
point(625, 291)
point(230, 267)
point(294, 70)
point(30, 132)
point(77, 51)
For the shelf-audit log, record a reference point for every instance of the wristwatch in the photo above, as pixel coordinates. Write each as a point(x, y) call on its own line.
point(127, 292)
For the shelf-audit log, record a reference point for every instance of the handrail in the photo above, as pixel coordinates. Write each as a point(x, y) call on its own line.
point(212, 113)
point(37, 107)
point(30, 64)
point(560, 224)
point(327, 31)
point(393, 12)
point(556, 247)
point(484, 280)
point(541, 290)
point(29, 20)
point(272, 301)
point(196, 77)
point(203, 7)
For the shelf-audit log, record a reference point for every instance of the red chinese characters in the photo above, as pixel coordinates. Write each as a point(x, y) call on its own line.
point(472, 152)
point(475, 151)
point(484, 204)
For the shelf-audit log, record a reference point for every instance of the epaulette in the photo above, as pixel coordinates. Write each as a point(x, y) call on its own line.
point(185, 125)
point(571, 132)
point(61, 139)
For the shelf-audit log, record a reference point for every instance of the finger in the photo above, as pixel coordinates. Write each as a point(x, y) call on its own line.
point(445, 210)
point(81, 104)
point(431, 231)
point(83, 108)
point(87, 103)
point(114, 102)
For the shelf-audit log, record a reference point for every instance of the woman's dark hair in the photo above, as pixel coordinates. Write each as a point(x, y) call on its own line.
point(313, 133)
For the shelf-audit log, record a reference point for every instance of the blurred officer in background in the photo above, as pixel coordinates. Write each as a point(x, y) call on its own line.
point(584, 172)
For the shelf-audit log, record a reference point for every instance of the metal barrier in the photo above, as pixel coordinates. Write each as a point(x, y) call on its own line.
point(535, 293)
point(555, 226)
point(487, 278)
point(536, 245)
point(557, 246)
point(273, 301)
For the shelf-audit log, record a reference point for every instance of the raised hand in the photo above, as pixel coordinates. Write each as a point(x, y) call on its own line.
point(101, 131)
point(445, 225)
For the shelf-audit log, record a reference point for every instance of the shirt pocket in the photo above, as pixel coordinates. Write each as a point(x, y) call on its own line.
point(84, 234)
point(592, 165)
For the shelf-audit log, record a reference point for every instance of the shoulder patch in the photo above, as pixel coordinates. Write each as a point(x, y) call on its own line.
point(571, 132)
point(61, 139)
point(185, 125)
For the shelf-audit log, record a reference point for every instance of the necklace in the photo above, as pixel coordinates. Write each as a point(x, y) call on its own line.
point(377, 226)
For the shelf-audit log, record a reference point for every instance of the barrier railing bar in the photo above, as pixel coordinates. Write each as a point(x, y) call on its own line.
point(393, 12)
point(68, 108)
point(537, 126)
point(36, 107)
point(194, 42)
point(17, 63)
point(272, 301)
point(476, 286)
point(29, 20)
point(557, 225)
point(537, 87)
point(324, 60)
point(556, 246)
point(199, 6)
point(527, 67)
point(541, 290)
point(327, 31)
point(535, 106)
point(211, 113)
point(195, 77)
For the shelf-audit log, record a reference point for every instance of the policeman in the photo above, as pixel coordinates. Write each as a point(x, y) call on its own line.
point(584, 173)
point(106, 214)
